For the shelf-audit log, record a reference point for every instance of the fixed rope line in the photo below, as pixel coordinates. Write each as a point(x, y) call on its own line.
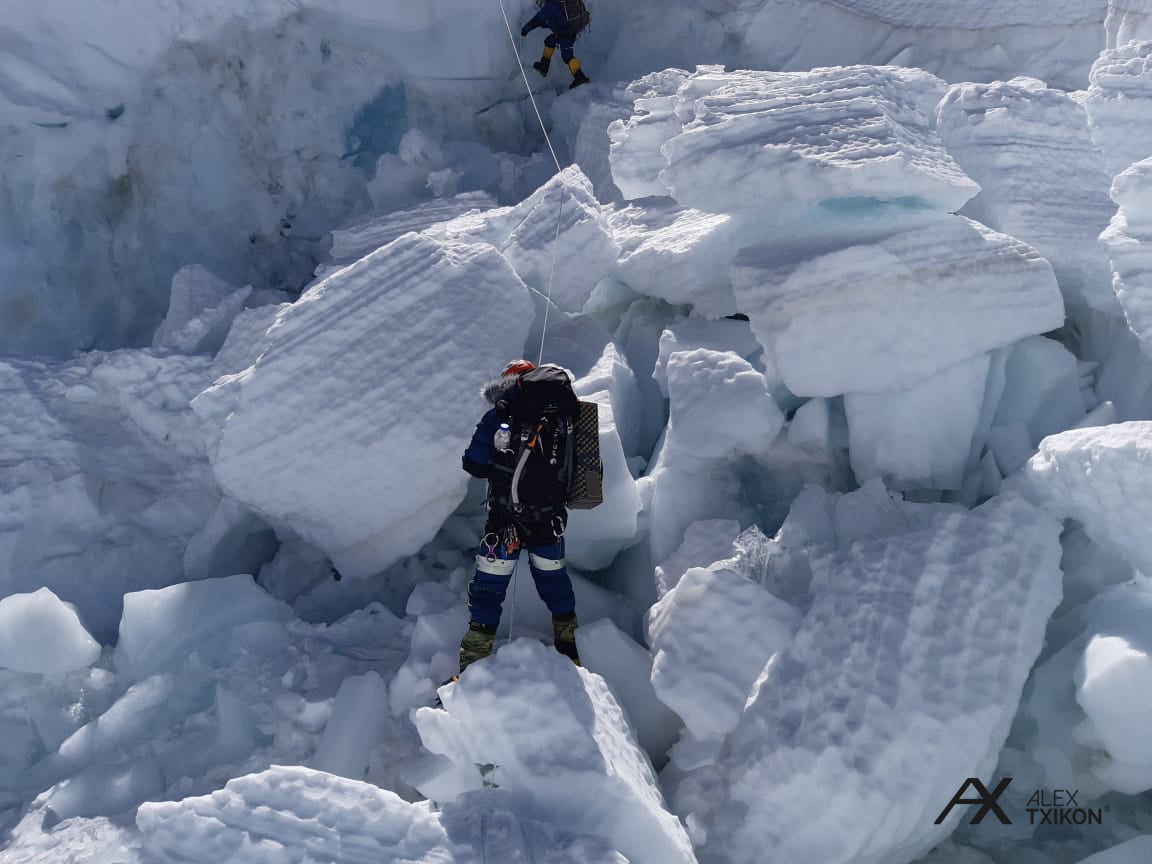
point(555, 159)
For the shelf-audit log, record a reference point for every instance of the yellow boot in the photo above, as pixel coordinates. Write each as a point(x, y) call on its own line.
point(544, 62)
point(578, 76)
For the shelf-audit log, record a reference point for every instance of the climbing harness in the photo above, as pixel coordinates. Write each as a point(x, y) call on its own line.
point(559, 170)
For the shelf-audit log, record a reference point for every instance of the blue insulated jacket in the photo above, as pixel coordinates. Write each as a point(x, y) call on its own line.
point(478, 456)
point(553, 17)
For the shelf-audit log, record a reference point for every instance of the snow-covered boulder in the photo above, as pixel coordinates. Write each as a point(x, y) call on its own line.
point(768, 139)
point(856, 731)
point(200, 312)
point(163, 625)
point(41, 633)
point(560, 746)
point(711, 636)
point(349, 426)
point(1102, 477)
point(1041, 176)
point(885, 316)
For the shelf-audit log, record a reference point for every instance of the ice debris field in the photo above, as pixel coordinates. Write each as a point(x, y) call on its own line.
point(863, 292)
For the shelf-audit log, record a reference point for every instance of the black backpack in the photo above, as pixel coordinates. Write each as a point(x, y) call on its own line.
point(535, 477)
point(577, 16)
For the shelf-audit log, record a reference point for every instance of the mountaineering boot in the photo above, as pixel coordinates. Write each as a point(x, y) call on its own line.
point(544, 63)
point(578, 76)
point(476, 644)
point(564, 630)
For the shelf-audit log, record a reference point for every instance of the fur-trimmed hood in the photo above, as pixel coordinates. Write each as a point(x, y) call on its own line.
point(495, 389)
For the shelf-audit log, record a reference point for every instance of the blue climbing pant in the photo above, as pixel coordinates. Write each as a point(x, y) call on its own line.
point(566, 44)
point(494, 567)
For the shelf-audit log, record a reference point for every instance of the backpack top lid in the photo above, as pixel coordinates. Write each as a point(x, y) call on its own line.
point(544, 391)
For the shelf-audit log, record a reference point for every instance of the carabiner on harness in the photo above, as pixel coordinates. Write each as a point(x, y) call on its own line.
point(558, 527)
point(490, 545)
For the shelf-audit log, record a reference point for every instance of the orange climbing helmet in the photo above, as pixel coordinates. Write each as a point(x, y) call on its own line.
point(518, 367)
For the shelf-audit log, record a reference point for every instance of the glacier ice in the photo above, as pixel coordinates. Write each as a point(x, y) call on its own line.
point(919, 437)
point(200, 312)
point(351, 346)
point(42, 634)
point(558, 742)
point(1099, 476)
point(162, 625)
point(884, 316)
point(763, 139)
point(1042, 178)
point(855, 731)
point(711, 636)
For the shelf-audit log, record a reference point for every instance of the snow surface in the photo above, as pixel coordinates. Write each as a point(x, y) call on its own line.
point(818, 690)
point(42, 634)
point(885, 691)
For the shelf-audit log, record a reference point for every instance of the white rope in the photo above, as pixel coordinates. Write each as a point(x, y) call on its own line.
point(556, 160)
point(512, 611)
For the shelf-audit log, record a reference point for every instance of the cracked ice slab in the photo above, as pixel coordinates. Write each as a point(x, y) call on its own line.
point(884, 316)
point(332, 434)
point(855, 733)
point(722, 141)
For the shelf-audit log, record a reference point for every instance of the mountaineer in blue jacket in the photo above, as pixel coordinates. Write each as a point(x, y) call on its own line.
point(536, 522)
point(566, 19)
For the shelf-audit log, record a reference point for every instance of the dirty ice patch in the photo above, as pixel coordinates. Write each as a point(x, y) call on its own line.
point(559, 744)
point(1102, 477)
point(885, 316)
point(856, 731)
point(759, 139)
point(40, 633)
point(332, 435)
point(1042, 178)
